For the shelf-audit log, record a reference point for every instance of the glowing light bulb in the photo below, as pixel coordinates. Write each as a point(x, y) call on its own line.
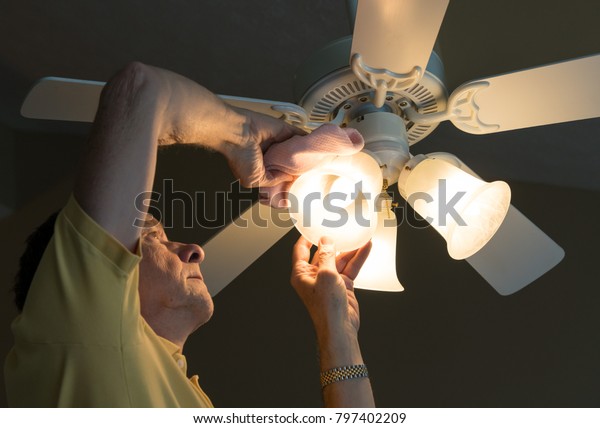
point(379, 271)
point(344, 187)
point(337, 199)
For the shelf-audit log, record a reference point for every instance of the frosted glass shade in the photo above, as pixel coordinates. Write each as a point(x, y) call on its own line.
point(465, 210)
point(379, 271)
point(337, 199)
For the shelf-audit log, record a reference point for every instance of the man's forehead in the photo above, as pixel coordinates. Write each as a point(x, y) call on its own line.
point(151, 223)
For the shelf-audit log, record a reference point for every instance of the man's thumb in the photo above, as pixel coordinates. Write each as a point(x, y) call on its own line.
point(327, 253)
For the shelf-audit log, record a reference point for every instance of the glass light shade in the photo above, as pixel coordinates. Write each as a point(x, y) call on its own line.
point(436, 190)
point(379, 271)
point(337, 199)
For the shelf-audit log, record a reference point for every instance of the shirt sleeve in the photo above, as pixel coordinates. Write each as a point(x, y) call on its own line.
point(85, 288)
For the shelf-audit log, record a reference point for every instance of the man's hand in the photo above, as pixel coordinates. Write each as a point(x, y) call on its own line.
point(326, 286)
point(246, 157)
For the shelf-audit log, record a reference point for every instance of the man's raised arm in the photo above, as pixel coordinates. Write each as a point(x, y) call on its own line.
point(325, 285)
point(142, 107)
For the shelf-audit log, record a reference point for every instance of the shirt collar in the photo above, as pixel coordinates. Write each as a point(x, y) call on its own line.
point(176, 353)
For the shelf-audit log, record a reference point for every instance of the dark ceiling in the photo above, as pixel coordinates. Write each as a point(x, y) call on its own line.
point(449, 337)
point(252, 48)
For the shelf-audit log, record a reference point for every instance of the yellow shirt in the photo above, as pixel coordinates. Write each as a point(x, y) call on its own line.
point(81, 341)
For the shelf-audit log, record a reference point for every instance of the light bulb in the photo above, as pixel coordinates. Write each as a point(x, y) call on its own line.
point(341, 185)
point(379, 270)
point(337, 199)
point(465, 210)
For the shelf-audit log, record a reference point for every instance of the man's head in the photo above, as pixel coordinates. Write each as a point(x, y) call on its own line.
point(173, 295)
point(172, 289)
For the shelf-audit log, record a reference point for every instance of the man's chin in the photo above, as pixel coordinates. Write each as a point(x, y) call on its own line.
point(204, 310)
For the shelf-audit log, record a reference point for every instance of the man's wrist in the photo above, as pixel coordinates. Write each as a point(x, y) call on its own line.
point(195, 115)
point(236, 134)
point(338, 347)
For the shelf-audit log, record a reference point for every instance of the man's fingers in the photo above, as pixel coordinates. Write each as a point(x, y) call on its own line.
point(301, 251)
point(291, 130)
point(353, 266)
point(274, 177)
point(326, 255)
point(342, 260)
point(280, 131)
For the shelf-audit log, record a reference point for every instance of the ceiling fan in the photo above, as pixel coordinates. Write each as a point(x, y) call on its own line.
point(392, 90)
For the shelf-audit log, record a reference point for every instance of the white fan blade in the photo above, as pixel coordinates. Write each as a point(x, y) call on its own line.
point(517, 254)
point(59, 98)
point(290, 112)
point(553, 93)
point(396, 37)
point(241, 243)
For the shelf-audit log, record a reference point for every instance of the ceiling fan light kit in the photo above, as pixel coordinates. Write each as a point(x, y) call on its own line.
point(465, 210)
point(387, 81)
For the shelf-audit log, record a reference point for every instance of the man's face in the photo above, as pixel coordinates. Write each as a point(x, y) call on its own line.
point(170, 280)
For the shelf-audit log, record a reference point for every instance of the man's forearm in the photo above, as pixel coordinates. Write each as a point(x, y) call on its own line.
point(194, 115)
point(140, 107)
point(338, 348)
point(328, 294)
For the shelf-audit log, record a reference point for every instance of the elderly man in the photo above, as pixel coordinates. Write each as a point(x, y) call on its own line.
point(106, 307)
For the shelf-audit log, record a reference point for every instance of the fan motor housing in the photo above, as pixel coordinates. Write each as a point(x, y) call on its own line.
point(325, 83)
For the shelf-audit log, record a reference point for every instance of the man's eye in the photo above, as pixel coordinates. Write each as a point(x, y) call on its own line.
point(154, 235)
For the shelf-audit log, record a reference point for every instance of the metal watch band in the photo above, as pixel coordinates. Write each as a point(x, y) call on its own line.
point(343, 373)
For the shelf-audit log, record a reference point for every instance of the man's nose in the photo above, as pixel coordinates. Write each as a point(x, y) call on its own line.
point(191, 253)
